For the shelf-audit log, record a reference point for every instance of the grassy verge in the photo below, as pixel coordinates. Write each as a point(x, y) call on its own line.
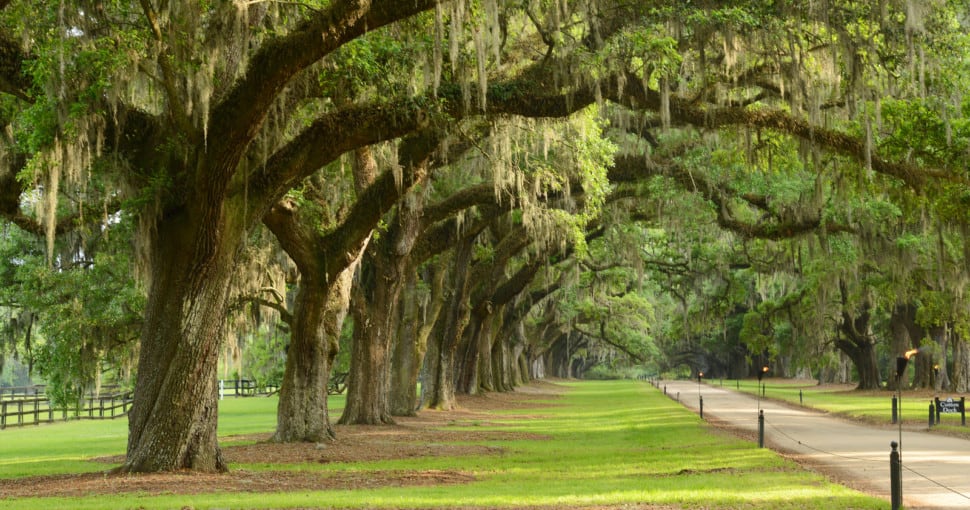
point(868, 406)
point(608, 444)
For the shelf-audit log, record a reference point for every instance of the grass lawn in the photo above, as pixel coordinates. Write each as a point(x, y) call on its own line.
point(605, 444)
point(869, 406)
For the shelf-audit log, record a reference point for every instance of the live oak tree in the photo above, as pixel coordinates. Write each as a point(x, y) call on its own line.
point(202, 133)
point(190, 133)
point(205, 114)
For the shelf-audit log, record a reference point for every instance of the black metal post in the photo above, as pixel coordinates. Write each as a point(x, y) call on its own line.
point(931, 415)
point(761, 428)
point(801, 400)
point(963, 411)
point(702, 407)
point(895, 407)
point(937, 401)
point(895, 477)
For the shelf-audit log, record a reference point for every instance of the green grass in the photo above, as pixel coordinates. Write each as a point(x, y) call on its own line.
point(869, 406)
point(609, 443)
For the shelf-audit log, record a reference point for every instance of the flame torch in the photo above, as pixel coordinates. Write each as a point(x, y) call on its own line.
point(901, 363)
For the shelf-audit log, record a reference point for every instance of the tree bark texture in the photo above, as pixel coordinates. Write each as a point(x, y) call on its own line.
point(906, 334)
point(172, 424)
point(960, 381)
point(487, 334)
point(469, 356)
point(302, 409)
point(940, 373)
point(862, 352)
point(376, 314)
point(442, 368)
point(406, 360)
point(855, 340)
point(409, 354)
point(373, 305)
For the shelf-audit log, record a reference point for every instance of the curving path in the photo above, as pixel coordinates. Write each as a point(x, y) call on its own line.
point(936, 469)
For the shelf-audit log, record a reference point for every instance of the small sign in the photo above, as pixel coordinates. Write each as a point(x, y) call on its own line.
point(949, 406)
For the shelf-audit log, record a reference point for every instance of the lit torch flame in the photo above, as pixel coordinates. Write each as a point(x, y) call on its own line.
point(910, 353)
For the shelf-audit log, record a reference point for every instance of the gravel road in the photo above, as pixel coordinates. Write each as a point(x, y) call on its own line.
point(936, 469)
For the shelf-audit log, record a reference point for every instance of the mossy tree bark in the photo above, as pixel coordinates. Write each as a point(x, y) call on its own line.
point(960, 380)
point(327, 263)
point(454, 318)
point(375, 300)
point(375, 307)
point(857, 343)
point(417, 320)
point(302, 410)
point(172, 424)
point(205, 214)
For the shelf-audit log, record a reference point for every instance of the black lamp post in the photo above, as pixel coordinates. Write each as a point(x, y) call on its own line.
point(700, 398)
point(761, 414)
point(901, 363)
point(760, 389)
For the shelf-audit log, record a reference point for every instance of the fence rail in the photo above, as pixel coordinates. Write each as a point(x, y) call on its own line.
point(17, 412)
point(246, 388)
point(29, 405)
point(40, 391)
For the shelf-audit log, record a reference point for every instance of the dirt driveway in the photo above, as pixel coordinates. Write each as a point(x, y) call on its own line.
point(936, 469)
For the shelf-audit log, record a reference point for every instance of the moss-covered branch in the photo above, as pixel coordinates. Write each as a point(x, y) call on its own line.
point(237, 118)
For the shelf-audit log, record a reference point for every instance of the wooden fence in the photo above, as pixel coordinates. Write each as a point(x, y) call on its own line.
point(246, 388)
point(29, 405)
point(23, 408)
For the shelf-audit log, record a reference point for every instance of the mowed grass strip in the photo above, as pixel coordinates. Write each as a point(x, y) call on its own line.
point(607, 444)
point(873, 406)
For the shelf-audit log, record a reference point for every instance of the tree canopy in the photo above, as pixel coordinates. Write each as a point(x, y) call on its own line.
point(489, 189)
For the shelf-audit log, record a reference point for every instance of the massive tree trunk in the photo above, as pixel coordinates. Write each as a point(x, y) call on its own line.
point(302, 409)
point(442, 367)
point(172, 424)
point(504, 366)
point(375, 307)
point(327, 265)
point(512, 365)
point(469, 355)
point(518, 360)
point(905, 335)
point(960, 382)
point(862, 352)
point(406, 358)
point(486, 367)
point(318, 316)
point(941, 374)
point(417, 322)
point(856, 340)
point(504, 357)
